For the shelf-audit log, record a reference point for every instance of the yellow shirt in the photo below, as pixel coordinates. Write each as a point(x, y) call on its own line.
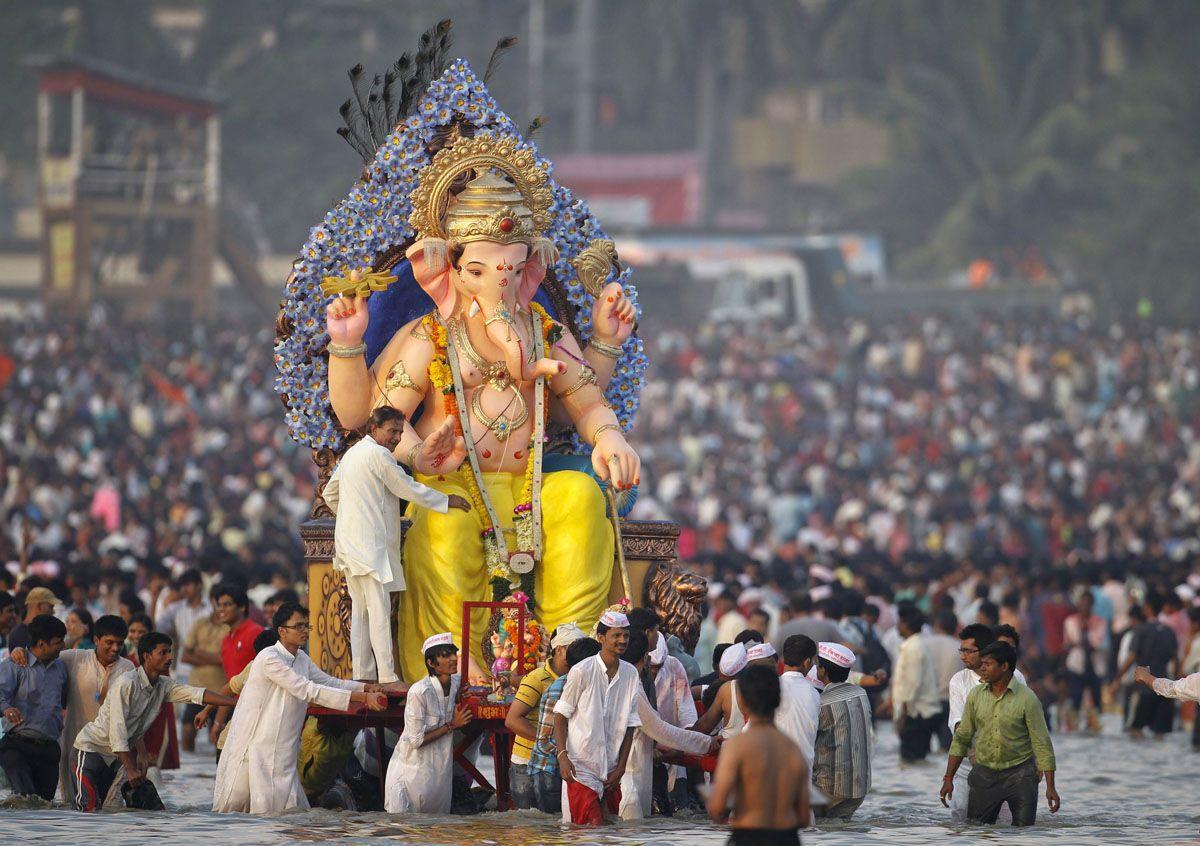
point(206, 635)
point(530, 692)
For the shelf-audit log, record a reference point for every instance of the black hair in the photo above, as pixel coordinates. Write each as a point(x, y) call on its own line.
point(1001, 653)
point(110, 625)
point(913, 618)
point(85, 617)
point(437, 653)
point(834, 672)
point(758, 688)
point(266, 638)
point(643, 619)
point(718, 651)
point(6, 599)
point(990, 610)
point(797, 649)
point(946, 621)
point(191, 577)
point(638, 646)
point(978, 632)
point(1005, 630)
point(581, 650)
point(234, 592)
point(284, 613)
point(143, 618)
point(150, 642)
point(284, 595)
point(383, 414)
point(44, 628)
point(131, 600)
point(870, 609)
point(748, 635)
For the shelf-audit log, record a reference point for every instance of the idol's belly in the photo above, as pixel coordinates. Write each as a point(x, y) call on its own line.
point(501, 425)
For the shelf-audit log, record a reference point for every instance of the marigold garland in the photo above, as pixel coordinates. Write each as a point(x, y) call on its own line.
point(442, 378)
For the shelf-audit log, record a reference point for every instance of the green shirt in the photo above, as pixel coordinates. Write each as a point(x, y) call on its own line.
point(1007, 731)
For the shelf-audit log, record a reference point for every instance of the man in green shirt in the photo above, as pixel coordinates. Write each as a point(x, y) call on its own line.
point(1004, 721)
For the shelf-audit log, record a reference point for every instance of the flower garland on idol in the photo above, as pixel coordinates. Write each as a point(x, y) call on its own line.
point(441, 377)
point(374, 217)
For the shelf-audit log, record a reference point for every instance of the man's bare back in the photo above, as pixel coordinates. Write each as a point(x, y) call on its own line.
point(767, 777)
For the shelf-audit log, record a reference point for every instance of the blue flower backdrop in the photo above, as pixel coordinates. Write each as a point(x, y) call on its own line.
point(374, 218)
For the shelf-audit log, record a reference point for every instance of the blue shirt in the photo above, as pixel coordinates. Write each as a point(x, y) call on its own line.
point(544, 757)
point(39, 692)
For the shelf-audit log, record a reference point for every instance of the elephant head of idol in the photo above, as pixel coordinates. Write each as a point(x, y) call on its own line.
point(483, 249)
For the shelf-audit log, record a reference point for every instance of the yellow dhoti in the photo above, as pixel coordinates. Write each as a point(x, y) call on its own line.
point(444, 562)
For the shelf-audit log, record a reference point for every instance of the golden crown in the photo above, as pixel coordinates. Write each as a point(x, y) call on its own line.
point(490, 207)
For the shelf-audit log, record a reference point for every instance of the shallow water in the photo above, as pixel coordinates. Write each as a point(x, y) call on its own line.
point(1114, 790)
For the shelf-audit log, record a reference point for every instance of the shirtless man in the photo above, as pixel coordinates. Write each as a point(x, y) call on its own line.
point(762, 770)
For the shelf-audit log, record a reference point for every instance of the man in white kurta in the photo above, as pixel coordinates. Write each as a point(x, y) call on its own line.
point(637, 785)
point(420, 776)
point(593, 724)
point(365, 492)
point(257, 771)
point(799, 711)
point(675, 701)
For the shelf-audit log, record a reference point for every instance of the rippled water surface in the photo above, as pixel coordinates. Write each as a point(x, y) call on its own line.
point(1114, 791)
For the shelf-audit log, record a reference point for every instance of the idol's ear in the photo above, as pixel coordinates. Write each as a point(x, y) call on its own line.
point(542, 254)
point(432, 270)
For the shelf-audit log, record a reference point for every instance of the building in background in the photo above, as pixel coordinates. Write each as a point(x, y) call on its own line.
point(128, 183)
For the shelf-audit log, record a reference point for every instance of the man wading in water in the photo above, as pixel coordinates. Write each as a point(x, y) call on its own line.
point(762, 770)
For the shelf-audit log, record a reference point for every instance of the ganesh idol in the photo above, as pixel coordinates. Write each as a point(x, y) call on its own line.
point(480, 379)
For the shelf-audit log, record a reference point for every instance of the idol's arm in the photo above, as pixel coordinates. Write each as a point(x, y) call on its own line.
point(612, 457)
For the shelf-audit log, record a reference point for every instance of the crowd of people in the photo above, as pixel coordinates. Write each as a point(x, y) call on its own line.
point(1001, 470)
point(891, 518)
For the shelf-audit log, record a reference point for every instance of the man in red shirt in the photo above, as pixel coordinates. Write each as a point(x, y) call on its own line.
point(237, 649)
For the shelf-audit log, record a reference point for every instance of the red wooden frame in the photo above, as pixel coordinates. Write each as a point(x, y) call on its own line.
point(522, 612)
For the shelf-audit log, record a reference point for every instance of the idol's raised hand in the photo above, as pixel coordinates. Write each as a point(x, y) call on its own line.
point(613, 315)
point(346, 320)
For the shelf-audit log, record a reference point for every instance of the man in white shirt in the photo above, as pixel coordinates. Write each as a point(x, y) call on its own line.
point(943, 649)
point(972, 640)
point(800, 702)
point(112, 741)
point(364, 492)
point(1186, 689)
point(915, 702)
point(637, 786)
point(594, 721)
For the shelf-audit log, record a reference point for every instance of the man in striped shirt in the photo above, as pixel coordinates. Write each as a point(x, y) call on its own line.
point(842, 756)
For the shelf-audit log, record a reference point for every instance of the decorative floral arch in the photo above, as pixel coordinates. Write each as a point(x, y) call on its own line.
point(372, 221)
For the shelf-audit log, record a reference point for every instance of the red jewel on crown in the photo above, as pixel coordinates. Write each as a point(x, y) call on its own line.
point(506, 225)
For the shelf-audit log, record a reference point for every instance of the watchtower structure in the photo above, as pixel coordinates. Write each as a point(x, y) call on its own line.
point(128, 182)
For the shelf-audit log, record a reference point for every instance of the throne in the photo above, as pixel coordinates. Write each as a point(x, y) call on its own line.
point(369, 228)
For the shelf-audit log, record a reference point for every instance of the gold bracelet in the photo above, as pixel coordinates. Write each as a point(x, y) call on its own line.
point(412, 455)
point(609, 350)
point(587, 376)
point(340, 351)
point(606, 426)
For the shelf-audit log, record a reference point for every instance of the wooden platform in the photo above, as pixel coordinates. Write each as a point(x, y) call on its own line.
point(647, 545)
